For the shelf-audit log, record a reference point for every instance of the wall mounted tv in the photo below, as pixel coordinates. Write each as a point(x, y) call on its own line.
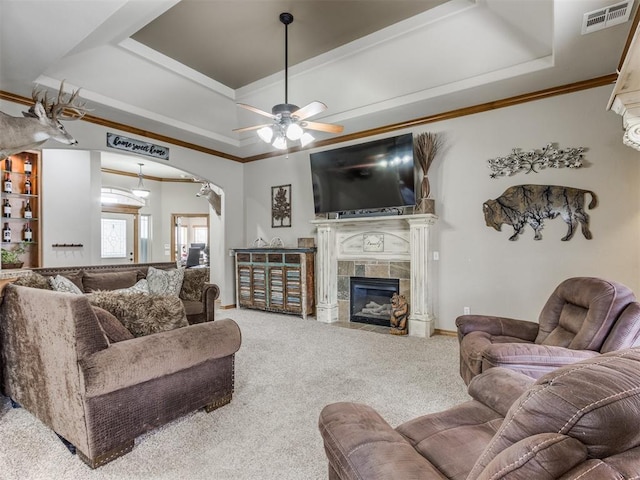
point(367, 176)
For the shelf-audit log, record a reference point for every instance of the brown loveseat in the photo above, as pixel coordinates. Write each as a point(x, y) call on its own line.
point(60, 361)
point(579, 421)
point(197, 294)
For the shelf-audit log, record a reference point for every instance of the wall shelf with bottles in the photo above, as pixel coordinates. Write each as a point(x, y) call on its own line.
point(20, 204)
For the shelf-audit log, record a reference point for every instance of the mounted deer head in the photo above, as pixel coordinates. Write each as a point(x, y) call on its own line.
point(214, 199)
point(40, 123)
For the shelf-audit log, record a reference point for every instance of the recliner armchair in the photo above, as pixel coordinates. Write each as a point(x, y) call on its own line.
point(578, 321)
point(579, 421)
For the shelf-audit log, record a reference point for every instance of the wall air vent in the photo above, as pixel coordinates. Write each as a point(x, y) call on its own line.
point(606, 17)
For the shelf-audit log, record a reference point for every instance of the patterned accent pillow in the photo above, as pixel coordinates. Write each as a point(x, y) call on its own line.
point(165, 282)
point(193, 283)
point(142, 314)
point(142, 286)
point(63, 284)
point(34, 280)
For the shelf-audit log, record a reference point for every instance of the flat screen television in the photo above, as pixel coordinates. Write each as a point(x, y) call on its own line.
point(367, 176)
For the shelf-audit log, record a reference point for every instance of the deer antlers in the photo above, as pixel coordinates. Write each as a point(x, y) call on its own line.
point(63, 108)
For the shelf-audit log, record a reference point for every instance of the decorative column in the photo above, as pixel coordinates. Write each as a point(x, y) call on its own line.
point(421, 320)
point(326, 274)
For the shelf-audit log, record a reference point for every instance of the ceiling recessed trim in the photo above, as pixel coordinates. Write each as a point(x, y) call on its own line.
point(176, 67)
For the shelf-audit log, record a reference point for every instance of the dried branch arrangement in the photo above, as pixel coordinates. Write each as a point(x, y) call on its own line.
point(426, 146)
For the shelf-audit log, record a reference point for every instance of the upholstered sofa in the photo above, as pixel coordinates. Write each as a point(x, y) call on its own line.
point(579, 421)
point(75, 368)
point(197, 294)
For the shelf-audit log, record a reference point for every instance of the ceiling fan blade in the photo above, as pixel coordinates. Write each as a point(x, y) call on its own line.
point(248, 129)
point(256, 110)
point(309, 110)
point(323, 127)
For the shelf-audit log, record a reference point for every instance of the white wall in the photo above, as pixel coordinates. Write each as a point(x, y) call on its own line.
point(70, 200)
point(479, 267)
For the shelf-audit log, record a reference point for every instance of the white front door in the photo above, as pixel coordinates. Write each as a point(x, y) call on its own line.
point(117, 238)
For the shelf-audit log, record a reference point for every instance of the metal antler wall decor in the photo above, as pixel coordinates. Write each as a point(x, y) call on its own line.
point(534, 160)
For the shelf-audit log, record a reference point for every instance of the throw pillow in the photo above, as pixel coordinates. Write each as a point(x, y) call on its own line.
point(33, 280)
point(193, 283)
point(93, 281)
point(63, 284)
point(113, 329)
point(140, 313)
point(142, 286)
point(165, 282)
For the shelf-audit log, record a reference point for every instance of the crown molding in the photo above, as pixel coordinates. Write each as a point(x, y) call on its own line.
point(460, 112)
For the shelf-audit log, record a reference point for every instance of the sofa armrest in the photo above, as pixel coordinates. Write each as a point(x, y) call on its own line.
point(210, 293)
point(359, 444)
point(499, 326)
point(498, 388)
point(134, 361)
point(532, 359)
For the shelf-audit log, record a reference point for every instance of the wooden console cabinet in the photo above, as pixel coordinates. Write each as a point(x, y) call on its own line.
point(276, 279)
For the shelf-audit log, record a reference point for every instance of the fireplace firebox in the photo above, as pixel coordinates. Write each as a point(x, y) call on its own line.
point(370, 299)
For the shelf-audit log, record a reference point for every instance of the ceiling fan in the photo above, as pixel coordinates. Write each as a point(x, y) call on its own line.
point(289, 121)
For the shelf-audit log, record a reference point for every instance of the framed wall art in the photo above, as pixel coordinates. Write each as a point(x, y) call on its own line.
point(281, 206)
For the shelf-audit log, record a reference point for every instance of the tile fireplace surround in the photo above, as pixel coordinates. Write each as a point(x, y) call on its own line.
point(376, 247)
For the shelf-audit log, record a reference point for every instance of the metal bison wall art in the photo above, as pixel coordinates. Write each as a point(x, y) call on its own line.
point(532, 204)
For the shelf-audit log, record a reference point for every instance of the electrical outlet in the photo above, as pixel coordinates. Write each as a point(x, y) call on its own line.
point(436, 255)
point(467, 310)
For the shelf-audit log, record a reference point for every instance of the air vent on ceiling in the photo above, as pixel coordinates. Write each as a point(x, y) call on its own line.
point(606, 17)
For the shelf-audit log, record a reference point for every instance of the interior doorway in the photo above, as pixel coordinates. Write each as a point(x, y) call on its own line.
point(190, 239)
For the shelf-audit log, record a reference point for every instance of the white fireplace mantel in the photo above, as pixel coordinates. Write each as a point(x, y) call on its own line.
point(398, 237)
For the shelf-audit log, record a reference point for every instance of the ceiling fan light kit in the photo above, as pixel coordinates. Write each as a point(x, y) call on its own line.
point(288, 119)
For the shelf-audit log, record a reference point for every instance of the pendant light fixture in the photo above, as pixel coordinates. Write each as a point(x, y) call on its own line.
point(289, 121)
point(140, 191)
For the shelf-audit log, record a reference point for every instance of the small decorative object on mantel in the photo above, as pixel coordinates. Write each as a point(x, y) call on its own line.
point(281, 206)
point(399, 315)
point(276, 242)
point(426, 146)
point(547, 157)
point(259, 243)
point(306, 242)
point(531, 204)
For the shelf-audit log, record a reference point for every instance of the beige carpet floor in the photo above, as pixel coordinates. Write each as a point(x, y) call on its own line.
point(286, 370)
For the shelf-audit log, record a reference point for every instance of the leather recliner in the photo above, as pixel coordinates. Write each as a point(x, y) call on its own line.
point(579, 421)
point(580, 319)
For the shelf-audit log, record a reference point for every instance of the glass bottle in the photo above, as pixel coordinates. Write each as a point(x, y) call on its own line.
point(6, 233)
point(6, 208)
point(7, 185)
point(28, 213)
